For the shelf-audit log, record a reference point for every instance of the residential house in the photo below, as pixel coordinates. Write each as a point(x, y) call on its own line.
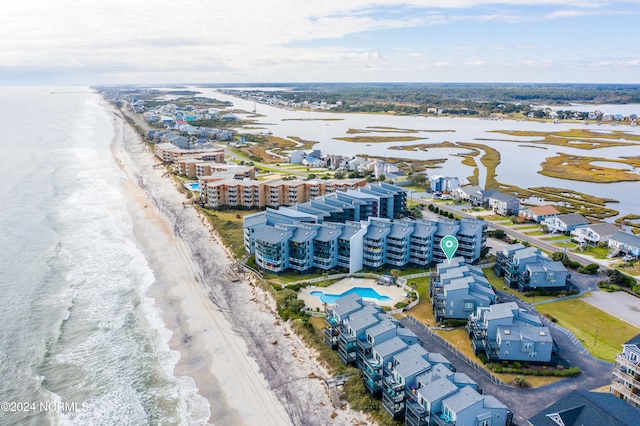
point(505, 332)
point(565, 223)
point(296, 157)
point(580, 407)
point(594, 234)
point(527, 269)
point(472, 194)
point(625, 383)
point(537, 213)
point(624, 243)
point(502, 204)
point(443, 184)
point(312, 162)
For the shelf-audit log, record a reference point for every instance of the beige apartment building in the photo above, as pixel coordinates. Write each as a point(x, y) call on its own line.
point(170, 153)
point(226, 190)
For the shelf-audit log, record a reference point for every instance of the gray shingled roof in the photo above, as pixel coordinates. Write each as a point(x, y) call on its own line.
point(271, 235)
point(437, 390)
point(572, 219)
point(580, 407)
point(390, 347)
point(626, 238)
point(462, 399)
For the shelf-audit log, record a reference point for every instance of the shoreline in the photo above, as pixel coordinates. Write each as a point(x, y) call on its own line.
point(230, 340)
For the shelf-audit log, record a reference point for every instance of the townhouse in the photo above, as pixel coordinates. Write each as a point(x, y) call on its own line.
point(527, 269)
point(505, 332)
point(458, 290)
point(420, 386)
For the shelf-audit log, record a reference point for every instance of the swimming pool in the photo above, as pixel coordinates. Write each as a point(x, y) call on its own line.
point(364, 292)
point(192, 186)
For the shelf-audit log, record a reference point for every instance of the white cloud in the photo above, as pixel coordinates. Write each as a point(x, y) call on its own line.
point(141, 38)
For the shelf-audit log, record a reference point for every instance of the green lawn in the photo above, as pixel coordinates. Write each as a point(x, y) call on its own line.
point(585, 321)
point(535, 233)
point(597, 252)
point(229, 226)
point(557, 238)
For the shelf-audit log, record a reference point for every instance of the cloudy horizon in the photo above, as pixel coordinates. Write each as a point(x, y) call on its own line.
point(161, 42)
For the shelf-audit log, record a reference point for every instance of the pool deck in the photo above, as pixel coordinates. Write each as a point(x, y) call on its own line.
point(396, 294)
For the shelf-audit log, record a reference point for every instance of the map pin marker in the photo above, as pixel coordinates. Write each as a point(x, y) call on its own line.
point(449, 245)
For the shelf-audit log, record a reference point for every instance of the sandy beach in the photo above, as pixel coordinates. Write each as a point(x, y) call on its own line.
point(249, 366)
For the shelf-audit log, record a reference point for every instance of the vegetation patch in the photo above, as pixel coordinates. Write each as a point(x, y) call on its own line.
point(630, 220)
point(228, 224)
point(412, 165)
point(313, 119)
point(576, 138)
point(425, 146)
point(378, 139)
point(573, 167)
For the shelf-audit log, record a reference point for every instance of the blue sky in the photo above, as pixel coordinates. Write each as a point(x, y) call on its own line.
point(161, 41)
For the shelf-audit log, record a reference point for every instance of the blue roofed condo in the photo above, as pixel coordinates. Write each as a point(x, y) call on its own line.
point(416, 385)
point(458, 289)
point(528, 269)
point(353, 230)
point(505, 332)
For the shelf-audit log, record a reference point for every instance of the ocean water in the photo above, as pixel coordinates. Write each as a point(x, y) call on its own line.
point(80, 343)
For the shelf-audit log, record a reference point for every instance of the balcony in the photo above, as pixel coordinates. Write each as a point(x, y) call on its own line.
point(441, 419)
point(620, 359)
point(629, 396)
point(415, 414)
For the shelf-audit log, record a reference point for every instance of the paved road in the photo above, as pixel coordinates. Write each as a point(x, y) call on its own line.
point(525, 403)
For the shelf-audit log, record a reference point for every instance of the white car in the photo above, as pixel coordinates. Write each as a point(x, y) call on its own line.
point(628, 258)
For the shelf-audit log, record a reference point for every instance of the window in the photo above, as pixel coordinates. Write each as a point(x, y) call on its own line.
point(533, 354)
point(451, 312)
point(468, 305)
point(451, 303)
point(485, 422)
point(528, 345)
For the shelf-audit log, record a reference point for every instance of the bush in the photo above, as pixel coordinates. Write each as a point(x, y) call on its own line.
point(483, 358)
point(400, 305)
point(454, 322)
point(590, 269)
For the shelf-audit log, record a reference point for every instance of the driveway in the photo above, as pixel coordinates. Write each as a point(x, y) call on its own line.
point(525, 403)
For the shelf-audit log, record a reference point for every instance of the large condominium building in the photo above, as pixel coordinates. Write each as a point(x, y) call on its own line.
point(527, 269)
point(169, 152)
point(505, 332)
point(341, 230)
point(458, 290)
point(625, 383)
point(420, 386)
point(272, 193)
